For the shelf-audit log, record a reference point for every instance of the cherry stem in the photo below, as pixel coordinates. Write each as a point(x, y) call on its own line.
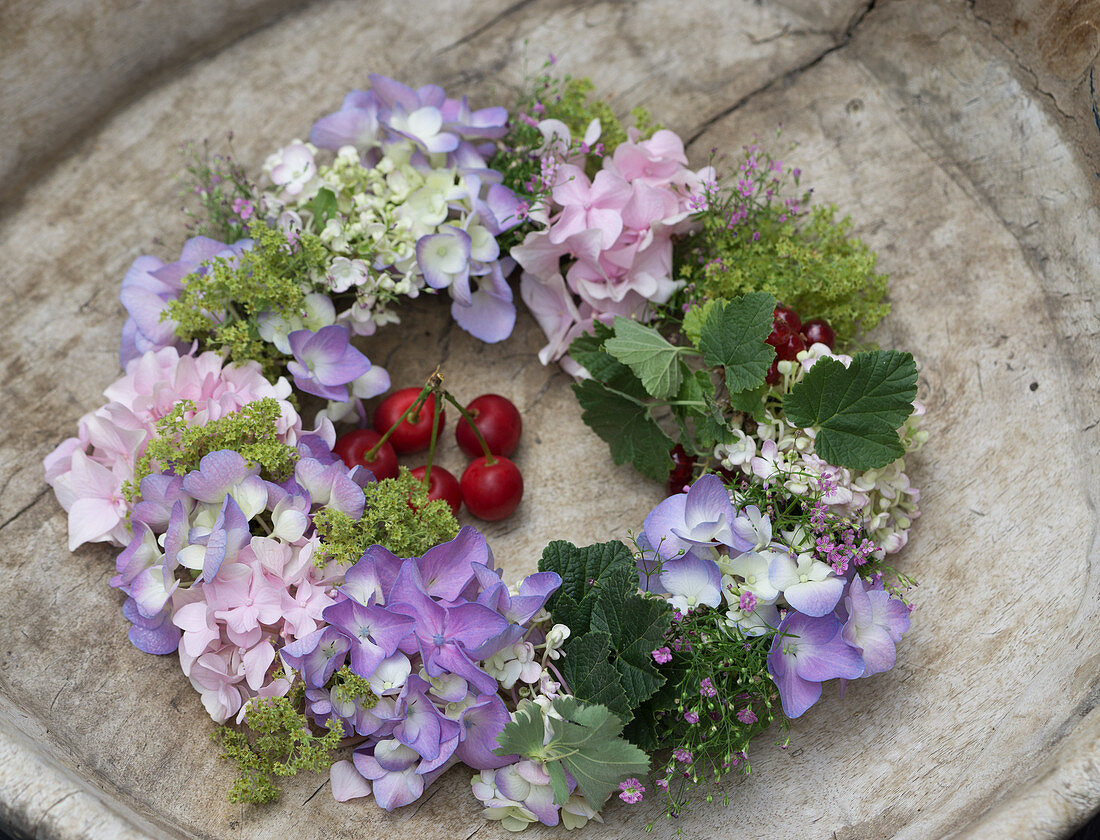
point(433, 383)
point(437, 410)
point(469, 418)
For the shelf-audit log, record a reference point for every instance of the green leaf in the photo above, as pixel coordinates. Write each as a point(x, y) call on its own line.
point(589, 745)
point(750, 402)
point(695, 317)
point(646, 352)
point(732, 336)
point(636, 626)
point(588, 351)
point(626, 426)
point(558, 782)
point(324, 205)
point(591, 677)
point(523, 734)
point(587, 571)
point(696, 388)
point(856, 410)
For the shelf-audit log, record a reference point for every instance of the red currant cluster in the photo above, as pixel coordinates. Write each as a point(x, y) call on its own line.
point(410, 420)
point(790, 337)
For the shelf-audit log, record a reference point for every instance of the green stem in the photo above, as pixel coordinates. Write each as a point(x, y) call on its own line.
point(413, 406)
point(437, 409)
point(469, 418)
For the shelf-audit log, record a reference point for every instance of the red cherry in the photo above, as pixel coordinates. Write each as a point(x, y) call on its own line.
point(441, 485)
point(785, 319)
point(818, 331)
point(499, 422)
point(492, 491)
point(414, 433)
point(683, 466)
point(787, 346)
point(352, 449)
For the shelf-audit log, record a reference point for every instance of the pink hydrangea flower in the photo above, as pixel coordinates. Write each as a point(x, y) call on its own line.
point(616, 231)
point(87, 472)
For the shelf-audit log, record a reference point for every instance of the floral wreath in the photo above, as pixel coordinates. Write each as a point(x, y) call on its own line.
point(326, 604)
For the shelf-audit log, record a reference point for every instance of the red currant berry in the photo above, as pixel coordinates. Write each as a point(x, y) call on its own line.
point(499, 422)
point(415, 432)
point(785, 319)
point(818, 331)
point(441, 485)
point(353, 447)
point(492, 491)
point(682, 467)
point(787, 346)
point(773, 376)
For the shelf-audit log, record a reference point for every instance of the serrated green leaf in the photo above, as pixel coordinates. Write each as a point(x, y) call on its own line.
point(626, 426)
point(856, 410)
point(590, 676)
point(587, 739)
point(649, 355)
point(587, 351)
point(636, 626)
point(523, 734)
point(607, 566)
point(558, 783)
point(695, 317)
point(732, 336)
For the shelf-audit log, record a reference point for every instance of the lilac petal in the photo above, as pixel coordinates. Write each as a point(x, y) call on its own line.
point(375, 633)
point(815, 597)
point(350, 127)
point(796, 694)
point(392, 92)
point(409, 598)
point(199, 249)
point(482, 723)
point(489, 316)
point(694, 579)
point(361, 581)
point(446, 569)
point(162, 641)
point(420, 728)
point(145, 308)
point(472, 624)
point(534, 590)
point(347, 782)
point(453, 658)
point(708, 512)
point(660, 522)
point(820, 651)
point(217, 474)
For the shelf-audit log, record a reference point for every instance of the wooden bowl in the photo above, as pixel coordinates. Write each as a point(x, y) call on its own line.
point(960, 140)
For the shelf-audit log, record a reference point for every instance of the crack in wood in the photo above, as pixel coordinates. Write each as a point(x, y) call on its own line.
point(785, 78)
point(489, 24)
point(24, 509)
point(1021, 66)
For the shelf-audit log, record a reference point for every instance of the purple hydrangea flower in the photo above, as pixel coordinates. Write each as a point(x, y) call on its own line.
point(875, 624)
point(324, 362)
point(805, 652)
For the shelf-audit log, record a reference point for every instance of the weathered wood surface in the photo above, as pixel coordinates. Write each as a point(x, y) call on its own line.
point(960, 137)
